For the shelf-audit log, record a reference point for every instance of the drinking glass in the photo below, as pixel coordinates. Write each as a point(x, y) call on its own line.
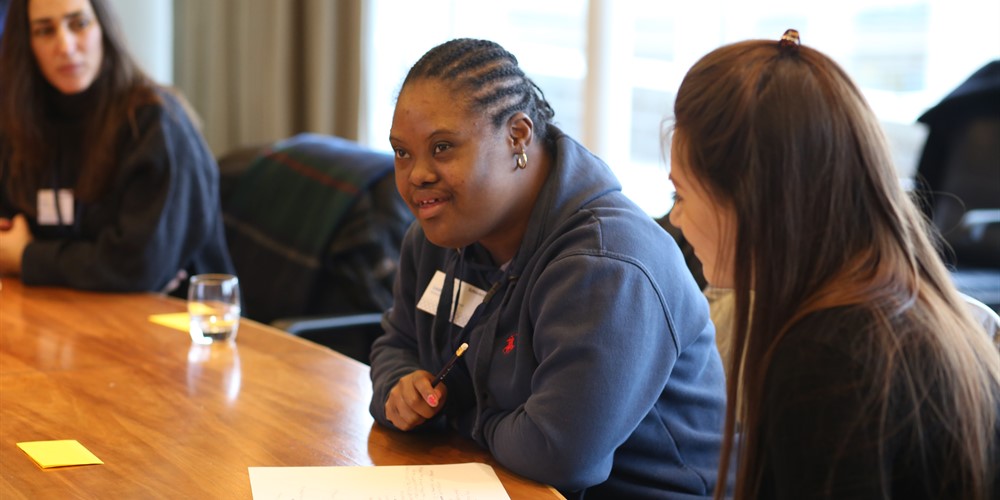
point(214, 308)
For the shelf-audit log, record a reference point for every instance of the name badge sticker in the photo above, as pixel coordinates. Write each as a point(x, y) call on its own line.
point(469, 298)
point(51, 213)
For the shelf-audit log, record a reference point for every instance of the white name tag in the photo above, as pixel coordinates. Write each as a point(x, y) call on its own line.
point(52, 214)
point(469, 298)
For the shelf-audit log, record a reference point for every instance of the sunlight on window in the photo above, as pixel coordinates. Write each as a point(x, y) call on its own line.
point(905, 55)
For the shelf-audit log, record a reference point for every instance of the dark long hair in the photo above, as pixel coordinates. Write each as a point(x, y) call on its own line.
point(119, 89)
point(783, 136)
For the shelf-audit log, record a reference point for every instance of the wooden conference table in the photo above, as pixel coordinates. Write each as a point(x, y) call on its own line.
point(174, 421)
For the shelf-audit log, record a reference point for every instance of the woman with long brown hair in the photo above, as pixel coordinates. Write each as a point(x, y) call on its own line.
point(856, 371)
point(107, 184)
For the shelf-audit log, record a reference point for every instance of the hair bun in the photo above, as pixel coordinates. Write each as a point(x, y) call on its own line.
point(790, 40)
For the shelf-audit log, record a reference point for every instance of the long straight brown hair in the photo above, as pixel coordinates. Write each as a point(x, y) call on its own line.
point(26, 150)
point(784, 137)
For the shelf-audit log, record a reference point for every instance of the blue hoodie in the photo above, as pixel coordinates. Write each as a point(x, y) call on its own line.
point(591, 366)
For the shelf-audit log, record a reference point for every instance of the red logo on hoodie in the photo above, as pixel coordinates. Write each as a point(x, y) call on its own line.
point(509, 346)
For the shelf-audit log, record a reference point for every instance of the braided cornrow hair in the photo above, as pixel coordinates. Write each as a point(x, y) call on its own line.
point(490, 77)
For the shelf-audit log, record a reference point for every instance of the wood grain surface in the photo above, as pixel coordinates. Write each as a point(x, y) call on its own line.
point(172, 420)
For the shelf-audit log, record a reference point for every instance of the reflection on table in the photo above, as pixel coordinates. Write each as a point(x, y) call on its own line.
point(173, 420)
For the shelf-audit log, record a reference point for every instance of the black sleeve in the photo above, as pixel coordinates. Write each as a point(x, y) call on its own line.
point(819, 430)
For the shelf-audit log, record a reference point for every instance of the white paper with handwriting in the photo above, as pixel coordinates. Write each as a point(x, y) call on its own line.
point(403, 482)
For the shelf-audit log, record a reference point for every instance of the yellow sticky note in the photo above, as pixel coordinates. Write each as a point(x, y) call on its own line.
point(179, 321)
point(59, 453)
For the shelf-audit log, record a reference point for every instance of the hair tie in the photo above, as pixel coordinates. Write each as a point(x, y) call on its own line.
point(790, 40)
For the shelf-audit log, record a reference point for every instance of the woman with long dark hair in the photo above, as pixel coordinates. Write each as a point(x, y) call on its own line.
point(856, 371)
point(107, 184)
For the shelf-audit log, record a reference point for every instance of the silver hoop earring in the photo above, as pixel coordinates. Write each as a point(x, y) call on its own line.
point(521, 159)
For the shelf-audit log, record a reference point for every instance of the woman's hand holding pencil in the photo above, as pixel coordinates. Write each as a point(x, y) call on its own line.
point(416, 398)
point(431, 398)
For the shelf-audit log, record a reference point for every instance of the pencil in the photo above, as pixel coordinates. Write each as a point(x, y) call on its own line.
point(451, 362)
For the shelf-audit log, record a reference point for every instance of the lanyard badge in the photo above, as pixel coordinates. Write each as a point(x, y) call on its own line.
point(55, 208)
point(469, 297)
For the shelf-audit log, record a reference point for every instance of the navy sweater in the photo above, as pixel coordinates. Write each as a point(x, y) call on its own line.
point(593, 367)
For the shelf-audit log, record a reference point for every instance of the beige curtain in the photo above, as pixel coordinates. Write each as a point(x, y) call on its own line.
point(261, 70)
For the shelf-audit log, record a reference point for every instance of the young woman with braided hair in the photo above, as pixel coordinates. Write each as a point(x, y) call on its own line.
point(591, 363)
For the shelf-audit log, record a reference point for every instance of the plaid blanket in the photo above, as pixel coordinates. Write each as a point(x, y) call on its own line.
point(283, 212)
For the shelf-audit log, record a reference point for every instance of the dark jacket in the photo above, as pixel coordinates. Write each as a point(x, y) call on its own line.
point(820, 423)
point(593, 366)
point(160, 216)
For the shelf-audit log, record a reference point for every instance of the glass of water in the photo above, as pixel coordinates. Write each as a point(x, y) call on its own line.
point(214, 308)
